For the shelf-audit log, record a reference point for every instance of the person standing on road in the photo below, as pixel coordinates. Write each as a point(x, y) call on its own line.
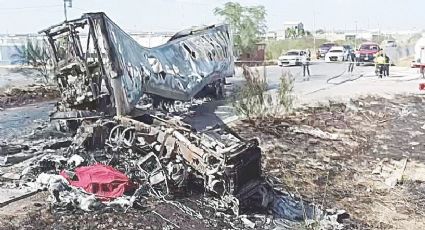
point(380, 64)
point(387, 65)
point(305, 59)
point(352, 60)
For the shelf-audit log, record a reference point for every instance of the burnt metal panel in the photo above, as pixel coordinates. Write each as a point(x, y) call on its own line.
point(177, 70)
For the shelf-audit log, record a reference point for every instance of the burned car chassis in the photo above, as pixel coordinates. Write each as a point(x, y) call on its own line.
point(102, 80)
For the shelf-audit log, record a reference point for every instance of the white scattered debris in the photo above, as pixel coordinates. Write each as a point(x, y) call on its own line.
point(11, 176)
point(315, 132)
point(392, 171)
point(413, 143)
point(75, 160)
point(247, 222)
point(89, 203)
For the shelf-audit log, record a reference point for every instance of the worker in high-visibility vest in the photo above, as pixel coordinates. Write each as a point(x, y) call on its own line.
point(380, 64)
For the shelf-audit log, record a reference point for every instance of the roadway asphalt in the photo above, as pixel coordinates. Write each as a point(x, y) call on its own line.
point(332, 81)
point(328, 81)
point(215, 112)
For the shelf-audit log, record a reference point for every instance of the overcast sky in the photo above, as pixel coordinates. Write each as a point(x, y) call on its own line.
point(30, 16)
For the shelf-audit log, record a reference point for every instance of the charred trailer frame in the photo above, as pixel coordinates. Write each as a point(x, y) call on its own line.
point(100, 67)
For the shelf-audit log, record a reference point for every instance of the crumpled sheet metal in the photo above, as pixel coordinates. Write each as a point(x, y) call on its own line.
point(177, 70)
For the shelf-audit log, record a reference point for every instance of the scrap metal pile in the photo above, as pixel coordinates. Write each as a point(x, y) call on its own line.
point(166, 156)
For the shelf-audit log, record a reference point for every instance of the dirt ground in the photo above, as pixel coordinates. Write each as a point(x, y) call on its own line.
point(18, 96)
point(36, 213)
point(351, 164)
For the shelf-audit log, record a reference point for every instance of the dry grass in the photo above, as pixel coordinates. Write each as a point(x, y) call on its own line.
point(253, 101)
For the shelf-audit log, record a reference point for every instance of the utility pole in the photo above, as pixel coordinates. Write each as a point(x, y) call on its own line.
point(66, 4)
point(355, 37)
point(314, 32)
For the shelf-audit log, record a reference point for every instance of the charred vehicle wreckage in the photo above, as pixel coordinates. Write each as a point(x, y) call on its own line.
point(103, 78)
point(100, 67)
point(120, 150)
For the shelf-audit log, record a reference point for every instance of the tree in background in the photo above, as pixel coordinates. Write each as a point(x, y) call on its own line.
point(247, 24)
point(33, 54)
point(301, 33)
point(291, 33)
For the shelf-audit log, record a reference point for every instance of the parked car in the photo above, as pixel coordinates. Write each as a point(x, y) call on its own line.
point(419, 59)
point(366, 52)
point(323, 49)
point(336, 53)
point(292, 57)
point(389, 43)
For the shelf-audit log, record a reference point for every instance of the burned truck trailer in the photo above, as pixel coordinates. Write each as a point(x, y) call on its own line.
point(110, 72)
point(97, 63)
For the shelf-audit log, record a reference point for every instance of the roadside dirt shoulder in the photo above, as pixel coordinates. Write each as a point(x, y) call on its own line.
point(365, 157)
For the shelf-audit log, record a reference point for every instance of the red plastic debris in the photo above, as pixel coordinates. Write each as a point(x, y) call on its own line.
point(421, 86)
point(101, 180)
